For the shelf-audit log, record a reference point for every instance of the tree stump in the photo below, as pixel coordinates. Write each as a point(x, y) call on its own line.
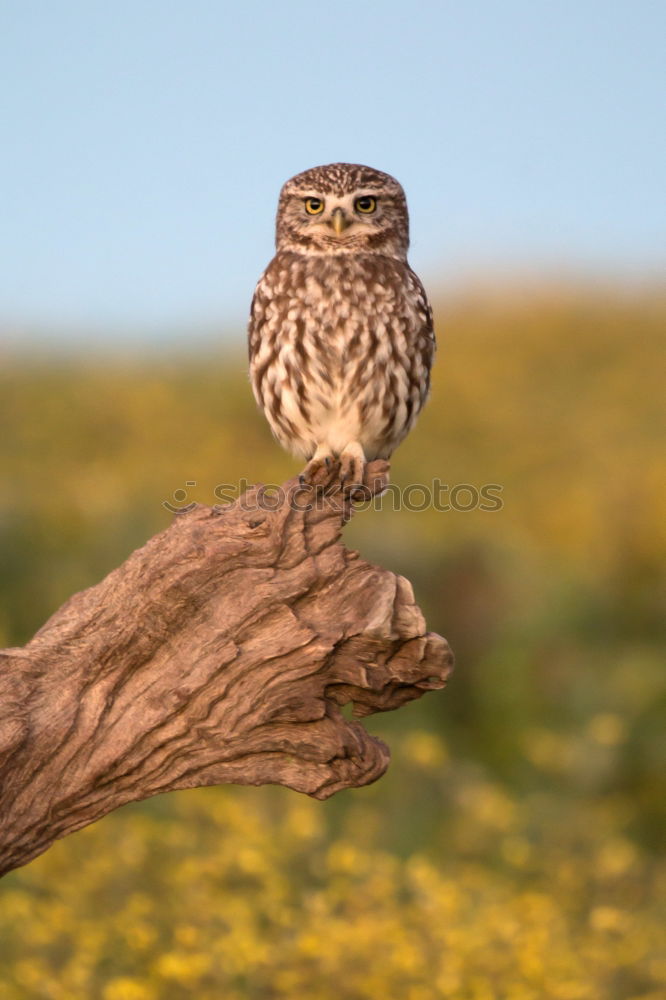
point(221, 651)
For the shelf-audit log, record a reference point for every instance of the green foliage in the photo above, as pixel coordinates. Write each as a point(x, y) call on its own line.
point(509, 851)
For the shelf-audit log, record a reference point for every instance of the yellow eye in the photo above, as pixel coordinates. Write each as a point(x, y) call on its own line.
point(366, 204)
point(313, 206)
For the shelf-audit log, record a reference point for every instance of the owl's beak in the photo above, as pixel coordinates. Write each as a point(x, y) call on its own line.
point(339, 221)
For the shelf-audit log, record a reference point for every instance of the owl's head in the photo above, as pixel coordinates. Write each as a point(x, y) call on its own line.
point(343, 208)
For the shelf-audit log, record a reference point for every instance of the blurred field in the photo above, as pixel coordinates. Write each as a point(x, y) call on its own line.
point(512, 849)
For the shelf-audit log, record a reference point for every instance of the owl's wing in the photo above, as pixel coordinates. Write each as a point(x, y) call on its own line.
point(261, 334)
point(257, 315)
point(424, 338)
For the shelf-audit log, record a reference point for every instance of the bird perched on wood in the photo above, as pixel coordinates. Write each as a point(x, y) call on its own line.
point(341, 337)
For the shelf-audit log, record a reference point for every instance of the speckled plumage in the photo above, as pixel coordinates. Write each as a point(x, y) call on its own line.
point(341, 338)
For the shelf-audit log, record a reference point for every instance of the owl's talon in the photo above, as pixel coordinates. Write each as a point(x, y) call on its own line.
point(316, 470)
point(352, 466)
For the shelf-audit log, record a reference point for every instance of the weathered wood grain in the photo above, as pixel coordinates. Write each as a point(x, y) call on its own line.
point(221, 651)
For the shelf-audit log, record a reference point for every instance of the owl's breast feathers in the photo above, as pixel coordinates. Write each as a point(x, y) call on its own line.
point(340, 349)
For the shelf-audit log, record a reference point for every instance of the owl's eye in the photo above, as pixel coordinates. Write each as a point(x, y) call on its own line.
point(313, 206)
point(367, 204)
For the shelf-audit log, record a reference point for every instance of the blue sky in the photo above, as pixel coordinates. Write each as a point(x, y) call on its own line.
point(144, 143)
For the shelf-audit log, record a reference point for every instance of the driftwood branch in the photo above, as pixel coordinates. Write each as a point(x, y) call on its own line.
point(221, 651)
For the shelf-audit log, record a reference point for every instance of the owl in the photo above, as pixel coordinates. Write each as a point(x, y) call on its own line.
point(341, 338)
